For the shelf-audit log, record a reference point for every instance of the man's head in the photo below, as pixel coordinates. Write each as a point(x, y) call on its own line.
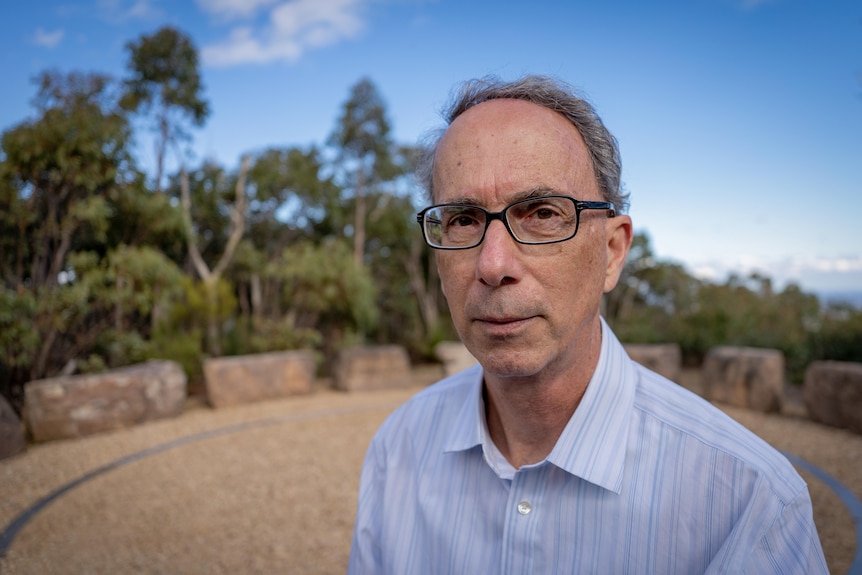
point(523, 309)
point(553, 95)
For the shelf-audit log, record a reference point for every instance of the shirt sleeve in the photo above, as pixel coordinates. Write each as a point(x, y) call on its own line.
point(365, 552)
point(791, 545)
point(788, 545)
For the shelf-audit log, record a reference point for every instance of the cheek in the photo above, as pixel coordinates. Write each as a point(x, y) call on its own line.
point(450, 274)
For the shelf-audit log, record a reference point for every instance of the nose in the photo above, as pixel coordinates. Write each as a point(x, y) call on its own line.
point(499, 257)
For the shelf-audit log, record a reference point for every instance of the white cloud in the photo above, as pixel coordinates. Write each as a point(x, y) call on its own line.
point(813, 273)
point(47, 39)
point(233, 8)
point(122, 10)
point(293, 27)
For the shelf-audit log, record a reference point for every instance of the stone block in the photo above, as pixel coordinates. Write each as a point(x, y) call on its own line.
point(372, 367)
point(249, 378)
point(832, 393)
point(12, 440)
point(79, 405)
point(662, 358)
point(455, 357)
point(752, 378)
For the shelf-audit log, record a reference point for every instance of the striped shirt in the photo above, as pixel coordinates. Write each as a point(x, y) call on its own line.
point(645, 478)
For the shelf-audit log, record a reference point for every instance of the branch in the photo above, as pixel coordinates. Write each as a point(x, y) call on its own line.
point(194, 253)
point(237, 220)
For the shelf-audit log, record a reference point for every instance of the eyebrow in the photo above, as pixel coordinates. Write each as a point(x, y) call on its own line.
point(538, 191)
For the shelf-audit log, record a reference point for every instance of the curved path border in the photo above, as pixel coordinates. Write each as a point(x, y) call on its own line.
point(850, 501)
point(10, 531)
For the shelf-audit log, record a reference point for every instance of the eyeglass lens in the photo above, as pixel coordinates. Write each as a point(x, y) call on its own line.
point(536, 220)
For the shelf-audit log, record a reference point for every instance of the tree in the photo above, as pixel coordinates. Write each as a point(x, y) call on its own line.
point(211, 277)
point(165, 82)
point(57, 175)
point(364, 147)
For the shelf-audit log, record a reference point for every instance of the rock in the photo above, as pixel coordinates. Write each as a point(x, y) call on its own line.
point(372, 367)
point(662, 358)
point(747, 377)
point(12, 441)
point(258, 377)
point(832, 393)
point(79, 405)
point(455, 357)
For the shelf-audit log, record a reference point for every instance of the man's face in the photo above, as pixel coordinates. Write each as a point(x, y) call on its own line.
point(524, 309)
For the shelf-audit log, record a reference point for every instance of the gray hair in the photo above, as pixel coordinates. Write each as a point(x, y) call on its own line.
point(548, 93)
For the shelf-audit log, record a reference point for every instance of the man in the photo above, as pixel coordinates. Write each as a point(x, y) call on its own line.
point(558, 454)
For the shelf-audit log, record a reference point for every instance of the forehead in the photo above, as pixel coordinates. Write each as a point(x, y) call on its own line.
point(500, 149)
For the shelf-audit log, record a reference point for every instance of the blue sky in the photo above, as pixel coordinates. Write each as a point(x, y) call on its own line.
point(739, 121)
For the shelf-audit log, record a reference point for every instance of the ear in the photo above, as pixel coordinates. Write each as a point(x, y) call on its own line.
point(619, 240)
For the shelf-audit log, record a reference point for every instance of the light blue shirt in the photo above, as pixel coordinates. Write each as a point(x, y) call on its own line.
point(646, 478)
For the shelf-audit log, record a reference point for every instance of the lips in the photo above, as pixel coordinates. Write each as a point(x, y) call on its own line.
point(503, 326)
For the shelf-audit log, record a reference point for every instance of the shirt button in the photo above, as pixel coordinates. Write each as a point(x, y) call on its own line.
point(524, 508)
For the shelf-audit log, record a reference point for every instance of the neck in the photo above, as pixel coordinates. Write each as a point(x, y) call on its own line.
point(526, 416)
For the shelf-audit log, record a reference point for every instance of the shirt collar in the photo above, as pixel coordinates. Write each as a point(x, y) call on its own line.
point(593, 443)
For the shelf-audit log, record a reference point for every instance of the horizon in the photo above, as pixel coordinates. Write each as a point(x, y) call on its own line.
point(739, 121)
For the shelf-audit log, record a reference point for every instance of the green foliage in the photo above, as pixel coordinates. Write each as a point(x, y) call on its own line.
point(659, 302)
point(212, 191)
point(164, 82)
point(840, 335)
point(362, 130)
point(322, 286)
point(182, 346)
point(261, 335)
point(57, 175)
point(197, 306)
point(164, 74)
point(18, 340)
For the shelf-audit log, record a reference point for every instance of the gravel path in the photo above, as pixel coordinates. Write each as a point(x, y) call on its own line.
point(271, 488)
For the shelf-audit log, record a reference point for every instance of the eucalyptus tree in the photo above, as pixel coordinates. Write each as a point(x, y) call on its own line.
point(164, 83)
point(59, 171)
point(199, 238)
point(290, 199)
point(364, 147)
point(67, 187)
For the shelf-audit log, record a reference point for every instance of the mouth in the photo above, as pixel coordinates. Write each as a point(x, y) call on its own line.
point(503, 326)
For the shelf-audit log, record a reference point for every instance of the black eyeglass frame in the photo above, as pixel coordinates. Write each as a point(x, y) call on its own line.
point(580, 206)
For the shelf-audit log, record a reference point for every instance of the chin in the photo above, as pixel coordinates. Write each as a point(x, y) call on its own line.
point(506, 363)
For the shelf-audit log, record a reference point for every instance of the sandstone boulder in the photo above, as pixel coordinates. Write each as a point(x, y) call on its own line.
point(372, 367)
point(455, 357)
point(78, 405)
point(832, 393)
point(662, 358)
point(257, 377)
point(747, 377)
point(12, 441)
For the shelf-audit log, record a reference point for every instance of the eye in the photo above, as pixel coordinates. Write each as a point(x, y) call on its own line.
point(544, 213)
point(540, 210)
point(463, 218)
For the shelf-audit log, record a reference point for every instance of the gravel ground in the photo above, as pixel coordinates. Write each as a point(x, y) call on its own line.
point(271, 488)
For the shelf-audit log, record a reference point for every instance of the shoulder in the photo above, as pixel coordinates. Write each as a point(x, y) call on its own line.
point(434, 409)
point(685, 416)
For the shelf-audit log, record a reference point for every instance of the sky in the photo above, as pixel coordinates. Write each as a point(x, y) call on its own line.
point(739, 121)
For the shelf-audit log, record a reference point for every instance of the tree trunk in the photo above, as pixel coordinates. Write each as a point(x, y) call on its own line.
point(209, 277)
point(425, 296)
point(359, 221)
point(213, 330)
point(256, 296)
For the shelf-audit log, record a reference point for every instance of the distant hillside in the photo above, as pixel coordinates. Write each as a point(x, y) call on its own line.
point(853, 297)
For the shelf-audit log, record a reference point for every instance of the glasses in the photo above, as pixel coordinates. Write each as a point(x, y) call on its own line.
point(538, 220)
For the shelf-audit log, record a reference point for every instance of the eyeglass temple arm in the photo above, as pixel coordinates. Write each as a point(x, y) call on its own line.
point(588, 205)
